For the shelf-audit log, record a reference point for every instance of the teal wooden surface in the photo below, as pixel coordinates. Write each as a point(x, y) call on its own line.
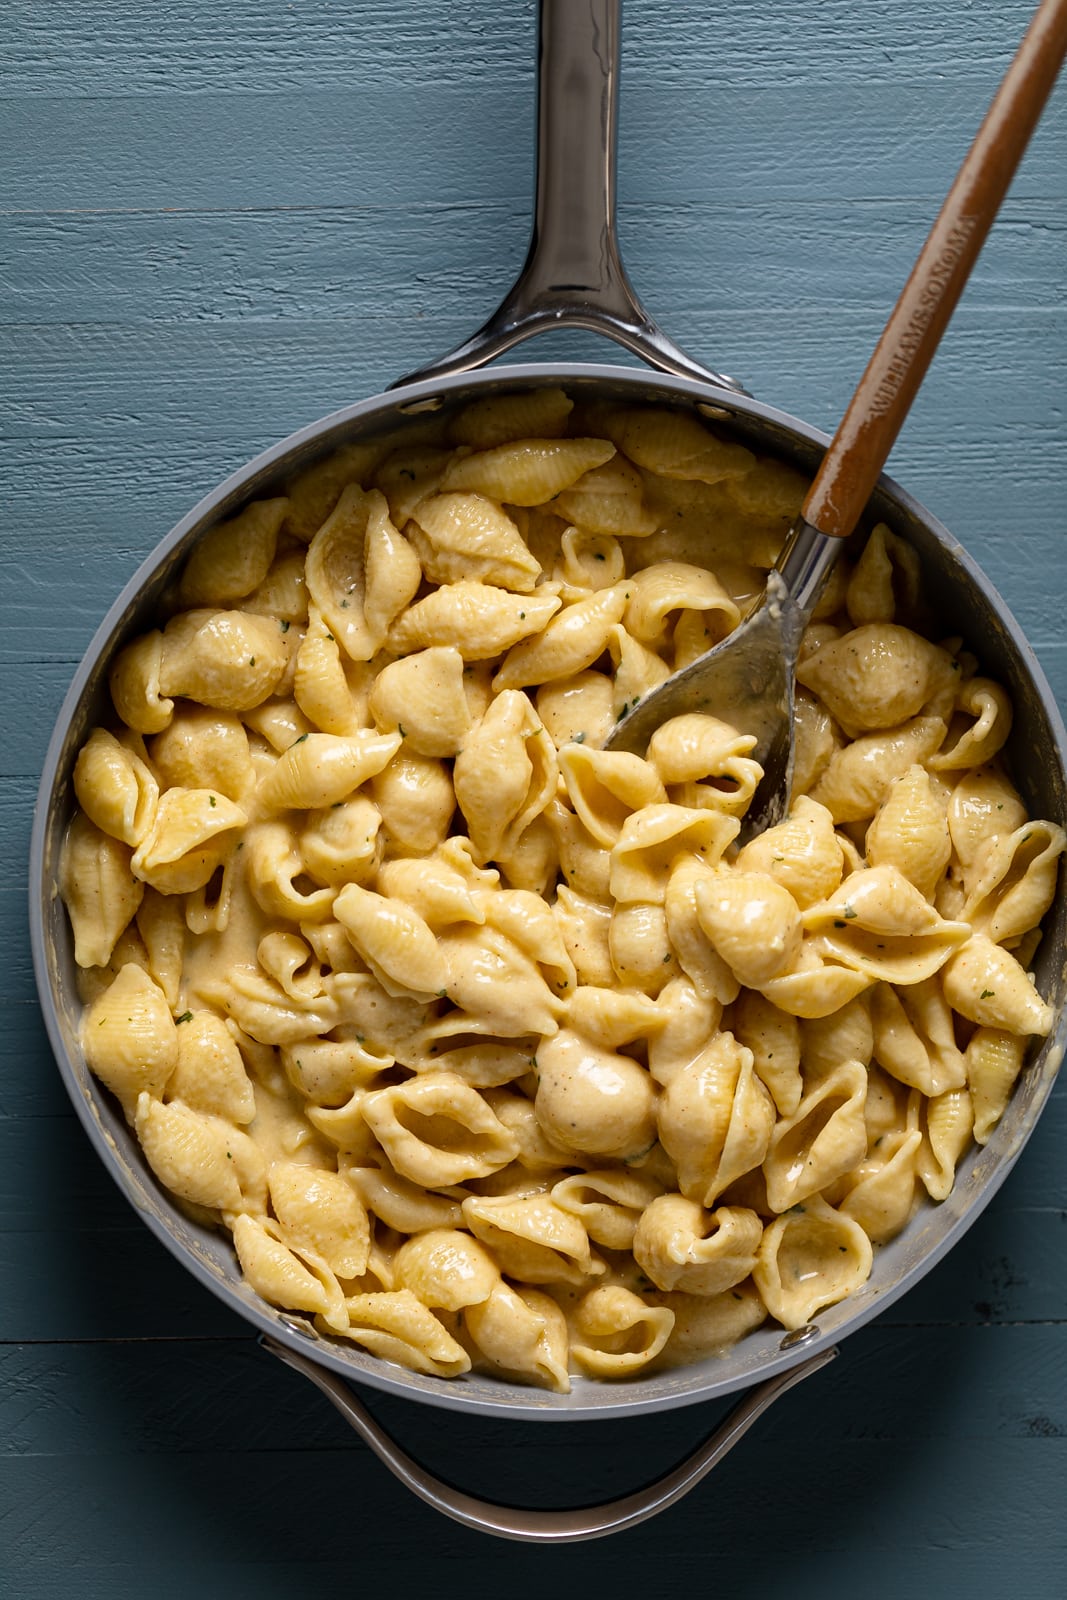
point(218, 223)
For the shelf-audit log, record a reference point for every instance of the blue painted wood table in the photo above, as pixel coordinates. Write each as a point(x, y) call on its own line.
point(220, 222)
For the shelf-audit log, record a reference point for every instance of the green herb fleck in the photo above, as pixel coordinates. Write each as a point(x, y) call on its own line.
point(251, 661)
point(211, 801)
point(186, 1016)
point(295, 742)
point(599, 555)
point(442, 994)
point(987, 994)
point(849, 912)
point(285, 626)
point(331, 638)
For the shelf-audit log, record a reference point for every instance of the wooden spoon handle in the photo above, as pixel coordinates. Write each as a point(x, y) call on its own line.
point(859, 448)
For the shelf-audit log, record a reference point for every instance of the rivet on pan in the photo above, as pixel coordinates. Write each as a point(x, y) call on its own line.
point(295, 1325)
point(717, 413)
point(415, 407)
point(799, 1336)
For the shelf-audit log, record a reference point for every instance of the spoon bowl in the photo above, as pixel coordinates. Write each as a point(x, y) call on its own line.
point(748, 679)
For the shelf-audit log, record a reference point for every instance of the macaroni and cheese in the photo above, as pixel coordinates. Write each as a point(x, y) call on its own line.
point(490, 1047)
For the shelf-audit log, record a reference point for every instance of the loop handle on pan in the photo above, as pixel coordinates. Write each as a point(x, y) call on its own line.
point(550, 1527)
point(573, 276)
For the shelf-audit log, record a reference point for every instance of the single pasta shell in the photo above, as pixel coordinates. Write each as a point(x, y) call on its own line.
point(134, 684)
point(694, 746)
point(810, 1258)
point(874, 677)
point(540, 413)
point(472, 1141)
point(527, 472)
point(879, 923)
point(993, 1060)
point(610, 500)
point(680, 1245)
point(655, 593)
point(322, 768)
point(99, 890)
point(114, 787)
point(321, 1212)
point(532, 1238)
point(752, 922)
point(234, 557)
point(231, 660)
point(210, 1075)
point(129, 1037)
point(394, 937)
point(620, 1333)
point(447, 1268)
point(480, 619)
point(592, 1099)
point(802, 853)
point(191, 1154)
point(524, 1334)
point(986, 984)
point(465, 535)
point(398, 1327)
point(335, 572)
point(204, 749)
point(676, 445)
point(568, 644)
point(910, 831)
point(274, 1272)
point(422, 698)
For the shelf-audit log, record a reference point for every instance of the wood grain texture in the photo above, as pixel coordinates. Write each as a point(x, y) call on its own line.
point(219, 223)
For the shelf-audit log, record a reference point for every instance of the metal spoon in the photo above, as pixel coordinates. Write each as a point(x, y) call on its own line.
point(748, 680)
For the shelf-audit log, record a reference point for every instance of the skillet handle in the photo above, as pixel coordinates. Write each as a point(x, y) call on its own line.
point(550, 1527)
point(573, 276)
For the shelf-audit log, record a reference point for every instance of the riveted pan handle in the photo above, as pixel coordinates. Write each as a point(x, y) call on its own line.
point(573, 276)
point(550, 1527)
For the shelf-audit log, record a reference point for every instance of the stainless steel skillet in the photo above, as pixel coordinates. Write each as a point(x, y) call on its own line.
point(573, 276)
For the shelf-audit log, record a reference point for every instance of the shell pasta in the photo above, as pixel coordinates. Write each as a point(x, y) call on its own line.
point(491, 1048)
